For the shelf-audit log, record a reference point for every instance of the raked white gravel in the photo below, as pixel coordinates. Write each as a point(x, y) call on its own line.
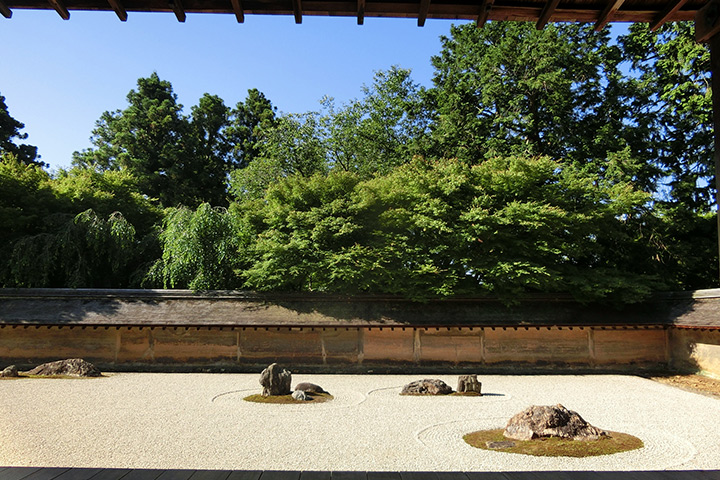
point(200, 421)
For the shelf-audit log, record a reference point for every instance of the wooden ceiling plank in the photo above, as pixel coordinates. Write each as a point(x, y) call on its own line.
point(60, 8)
point(297, 11)
point(178, 9)
point(119, 9)
point(667, 14)
point(607, 14)
point(546, 13)
point(485, 7)
point(422, 14)
point(238, 9)
point(360, 12)
point(5, 10)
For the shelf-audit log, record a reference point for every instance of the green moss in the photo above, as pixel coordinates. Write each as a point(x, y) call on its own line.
point(287, 399)
point(557, 447)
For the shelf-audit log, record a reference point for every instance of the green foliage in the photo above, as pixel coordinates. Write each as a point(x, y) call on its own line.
point(26, 198)
point(86, 250)
point(509, 226)
point(199, 250)
point(672, 102)
point(382, 130)
point(9, 130)
point(293, 146)
point(248, 120)
point(509, 88)
point(105, 193)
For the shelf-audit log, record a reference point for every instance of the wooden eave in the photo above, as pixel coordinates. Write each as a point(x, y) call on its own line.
point(649, 11)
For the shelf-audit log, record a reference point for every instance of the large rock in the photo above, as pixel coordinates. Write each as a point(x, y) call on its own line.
point(468, 384)
point(426, 387)
point(550, 421)
point(275, 380)
point(73, 367)
point(9, 372)
point(309, 388)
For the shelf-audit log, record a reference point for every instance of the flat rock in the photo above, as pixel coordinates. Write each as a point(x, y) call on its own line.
point(275, 380)
point(550, 421)
point(73, 367)
point(10, 371)
point(427, 386)
point(309, 388)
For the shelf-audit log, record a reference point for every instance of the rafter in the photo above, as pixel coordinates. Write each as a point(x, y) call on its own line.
point(360, 12)
point(297, 11)
point(5, 10)
point(607, 14)
point(422, 14)
point(707, 22)
point(485, 7)
point(666, 14)
point(60, 8)
point(179, 10)
point(239, 11)
point(119, 9)
point(546, 13)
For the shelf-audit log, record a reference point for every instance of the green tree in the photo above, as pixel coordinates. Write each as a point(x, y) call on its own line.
point(199, 250)
point(509, 226)
point(9, 131)
point(247, 122)
point(176, 160)
point(295, 145)
point(382, 130)
point(86, 251)
point(510, 89)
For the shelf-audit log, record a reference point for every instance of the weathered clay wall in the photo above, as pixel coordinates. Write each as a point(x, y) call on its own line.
point(695, 349)
point(343, 349)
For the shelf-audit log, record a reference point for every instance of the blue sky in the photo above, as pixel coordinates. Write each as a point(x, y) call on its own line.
point(58, 76)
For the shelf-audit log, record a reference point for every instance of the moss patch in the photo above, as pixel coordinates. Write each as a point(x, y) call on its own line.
point(556, 447)
point(60, 377)
point(465, 394)
point(287, 399)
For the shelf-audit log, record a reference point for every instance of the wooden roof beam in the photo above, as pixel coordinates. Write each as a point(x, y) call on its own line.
point(178, 9)
point(360, 12)
point(297, 11)
point(119, 9)
point(239, 11)
point(546, 13)
point(422, 14)
point(667, 14)
point(485, 7)
point(5, 10)
point(60, 8)
point(707, 22)
point(607, 14)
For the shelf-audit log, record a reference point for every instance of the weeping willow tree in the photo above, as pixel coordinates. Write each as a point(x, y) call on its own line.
point(84, 250)
point(199, 250)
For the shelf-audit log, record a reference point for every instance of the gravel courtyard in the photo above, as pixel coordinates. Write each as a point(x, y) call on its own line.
point(200, 421)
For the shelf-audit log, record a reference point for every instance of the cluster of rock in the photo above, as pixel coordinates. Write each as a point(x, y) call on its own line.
point(276, 380)
point(72, 367)
point(433, 386)
point(550, 421)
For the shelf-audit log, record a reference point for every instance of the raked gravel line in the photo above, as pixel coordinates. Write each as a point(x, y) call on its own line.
point(200, 421)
